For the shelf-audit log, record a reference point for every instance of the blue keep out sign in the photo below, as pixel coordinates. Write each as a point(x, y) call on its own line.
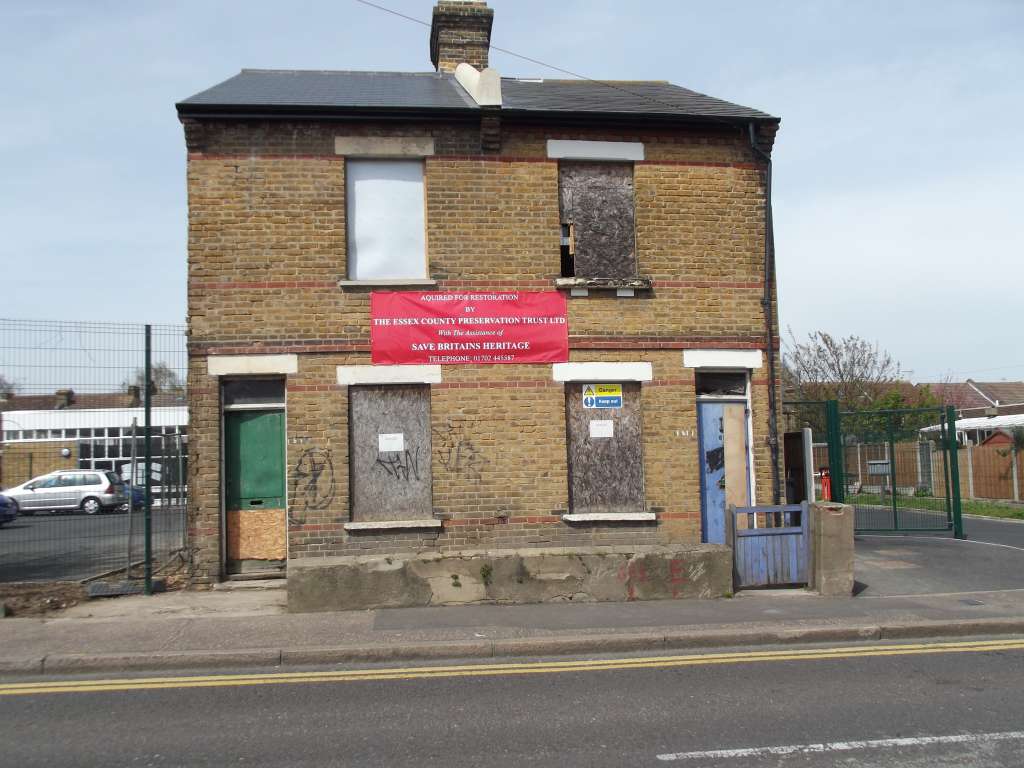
point(602, 395)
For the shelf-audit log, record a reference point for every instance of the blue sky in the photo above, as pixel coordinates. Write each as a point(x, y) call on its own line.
point(898, 166)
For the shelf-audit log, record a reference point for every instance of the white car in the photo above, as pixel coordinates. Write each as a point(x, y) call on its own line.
point(88, 490)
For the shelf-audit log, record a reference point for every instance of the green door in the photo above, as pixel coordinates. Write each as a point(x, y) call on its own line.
point(254, 459)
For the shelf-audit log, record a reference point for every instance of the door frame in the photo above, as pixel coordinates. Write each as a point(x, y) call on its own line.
point(744, 400)
point(222, 480)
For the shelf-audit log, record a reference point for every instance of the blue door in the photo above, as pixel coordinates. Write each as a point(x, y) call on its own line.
point(724, 465)
point(711, 421)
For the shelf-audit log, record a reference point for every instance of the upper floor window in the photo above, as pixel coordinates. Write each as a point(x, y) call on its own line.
point(386, 220)
point(598, 221)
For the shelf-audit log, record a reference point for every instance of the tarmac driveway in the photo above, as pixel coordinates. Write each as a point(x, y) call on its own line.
point(991, 559)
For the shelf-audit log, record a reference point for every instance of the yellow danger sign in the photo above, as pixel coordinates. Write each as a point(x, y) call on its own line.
point(602, 395)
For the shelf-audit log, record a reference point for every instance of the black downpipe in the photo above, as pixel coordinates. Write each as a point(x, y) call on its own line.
point(766, 305)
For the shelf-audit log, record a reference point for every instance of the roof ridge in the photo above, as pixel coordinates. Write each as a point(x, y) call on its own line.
point(259, 70)
point(587, 81)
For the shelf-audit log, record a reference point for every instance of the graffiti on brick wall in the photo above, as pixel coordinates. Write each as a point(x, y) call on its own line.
point(401, 465)
point(679, 575)
point(458, 454)
point(313, 484)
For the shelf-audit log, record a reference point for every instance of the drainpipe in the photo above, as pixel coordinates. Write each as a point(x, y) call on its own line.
point(766, 306)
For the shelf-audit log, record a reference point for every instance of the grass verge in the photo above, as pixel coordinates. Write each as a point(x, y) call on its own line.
point(1007, 509)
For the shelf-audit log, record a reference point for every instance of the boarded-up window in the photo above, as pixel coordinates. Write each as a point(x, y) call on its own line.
point(385, 218)
point(598, 229)
point(606, 472)
point(389, 430)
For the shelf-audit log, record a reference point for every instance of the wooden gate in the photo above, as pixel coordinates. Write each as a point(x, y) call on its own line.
point(770, 545)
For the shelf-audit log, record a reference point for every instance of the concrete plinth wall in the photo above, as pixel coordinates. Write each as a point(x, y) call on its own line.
point(508, 576)
point(832, 549)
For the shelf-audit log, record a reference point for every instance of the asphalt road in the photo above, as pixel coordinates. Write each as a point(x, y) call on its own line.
point(991, 558)
point(1008, 532)
point(944, 709)
point(71, 547)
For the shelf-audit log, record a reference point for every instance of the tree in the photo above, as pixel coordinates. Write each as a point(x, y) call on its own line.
point(864, 378)
point(165, 379)
point(6, 386)
point(857, 373)
point(850, 370)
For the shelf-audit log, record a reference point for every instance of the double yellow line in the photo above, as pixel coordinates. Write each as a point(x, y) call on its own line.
point(513, 668)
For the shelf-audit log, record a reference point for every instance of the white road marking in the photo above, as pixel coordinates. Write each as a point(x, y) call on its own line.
point(843, 746)
point(936, 538)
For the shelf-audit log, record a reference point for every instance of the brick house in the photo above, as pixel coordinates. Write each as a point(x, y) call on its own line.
point(642, 207)
point(974, 399)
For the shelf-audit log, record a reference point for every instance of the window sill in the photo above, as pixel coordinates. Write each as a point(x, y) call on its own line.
point(610, 517)
point(381, 525)
point(623, 286)
point(412, 282)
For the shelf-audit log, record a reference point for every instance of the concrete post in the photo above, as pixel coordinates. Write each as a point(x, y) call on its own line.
point(920, 469)
point(832, 549)
point(1016, 478)
point(970, 471)
point(808, 439)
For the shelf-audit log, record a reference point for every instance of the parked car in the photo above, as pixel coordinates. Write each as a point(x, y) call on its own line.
point(138, 495)
point(8, 509)
point(90, 491)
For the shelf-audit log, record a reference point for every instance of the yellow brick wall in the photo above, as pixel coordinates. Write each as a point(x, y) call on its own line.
point(24, 460)
point(267, 245)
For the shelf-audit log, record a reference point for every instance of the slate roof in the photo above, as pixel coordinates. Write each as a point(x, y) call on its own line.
point(622, 97)
point(333, 90)
point(87, 401)
point(965, 395)
point(1004, 392)
point(268, 92)
point(959, 394)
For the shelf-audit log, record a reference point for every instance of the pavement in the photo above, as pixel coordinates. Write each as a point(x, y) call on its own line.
point(908, 587)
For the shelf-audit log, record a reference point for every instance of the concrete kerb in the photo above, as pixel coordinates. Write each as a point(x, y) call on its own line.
point(520, 647)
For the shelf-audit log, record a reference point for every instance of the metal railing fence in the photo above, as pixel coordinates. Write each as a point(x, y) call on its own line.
point(75, 402)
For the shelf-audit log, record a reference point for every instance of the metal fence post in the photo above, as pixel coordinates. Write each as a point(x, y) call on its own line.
point(148, 416)
point(836, 458)
point(954, 473)
point(890, 447)
point(131, 495)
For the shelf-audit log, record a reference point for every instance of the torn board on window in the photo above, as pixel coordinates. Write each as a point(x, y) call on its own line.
point(598, 218)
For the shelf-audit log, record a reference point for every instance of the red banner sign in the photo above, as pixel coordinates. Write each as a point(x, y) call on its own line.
point(442, 328)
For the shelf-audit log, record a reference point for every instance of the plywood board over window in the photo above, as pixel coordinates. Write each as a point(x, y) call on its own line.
point(597, 208)
point(385, 218)
point(606, 469)
point(390, 452)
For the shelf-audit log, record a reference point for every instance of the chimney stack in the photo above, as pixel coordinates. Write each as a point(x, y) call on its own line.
point(460, 33)
point(63, 399)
